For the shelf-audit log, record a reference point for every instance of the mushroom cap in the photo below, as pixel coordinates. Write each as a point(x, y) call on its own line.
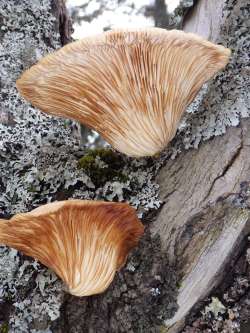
point(131, 86)
point(83, 242)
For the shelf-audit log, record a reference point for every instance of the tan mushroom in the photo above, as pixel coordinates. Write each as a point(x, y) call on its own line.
point(83, 242)
point(130, 86)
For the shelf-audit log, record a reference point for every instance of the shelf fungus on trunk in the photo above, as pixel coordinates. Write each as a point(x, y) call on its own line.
point(131, 86)
point(83, 242)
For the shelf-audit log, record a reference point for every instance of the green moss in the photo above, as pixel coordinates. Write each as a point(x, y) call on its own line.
point(31, 188)
point(4, 328)
point(112, 169)
point(163, 329)
point(179, 284)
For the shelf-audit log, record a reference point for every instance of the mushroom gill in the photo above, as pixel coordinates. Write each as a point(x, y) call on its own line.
point(83, 242)
point(131, 86)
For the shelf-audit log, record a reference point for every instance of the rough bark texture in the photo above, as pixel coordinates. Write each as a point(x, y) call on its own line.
point(205, 19)
point(203, 222)
point(189, 244)
point(170, 20)
point(205, 217)
point(63, 22)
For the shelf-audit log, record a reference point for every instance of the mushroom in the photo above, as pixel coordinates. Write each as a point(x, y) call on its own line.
point(83, 242)
point(131, 86)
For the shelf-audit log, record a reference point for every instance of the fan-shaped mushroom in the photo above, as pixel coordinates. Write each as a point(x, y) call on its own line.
point(130, 86)
point(84, 242)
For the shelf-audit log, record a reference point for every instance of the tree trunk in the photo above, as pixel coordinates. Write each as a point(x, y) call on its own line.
point(203, 221)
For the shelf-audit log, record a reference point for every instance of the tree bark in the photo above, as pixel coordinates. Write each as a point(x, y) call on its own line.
point(189, 242)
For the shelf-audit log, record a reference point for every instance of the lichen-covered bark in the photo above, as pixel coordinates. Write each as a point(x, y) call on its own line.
point(40, 163)
point(205, 217)
point(29, 295)
point(228, 310)
point(201, 190)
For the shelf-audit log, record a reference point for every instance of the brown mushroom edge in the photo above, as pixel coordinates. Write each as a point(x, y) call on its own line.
point(83, 242)
point(131, 86)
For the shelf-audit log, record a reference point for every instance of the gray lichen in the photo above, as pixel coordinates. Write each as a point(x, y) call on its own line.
point(35, 293)
point(39, 158)
point(223, 101)
point(30, 292)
